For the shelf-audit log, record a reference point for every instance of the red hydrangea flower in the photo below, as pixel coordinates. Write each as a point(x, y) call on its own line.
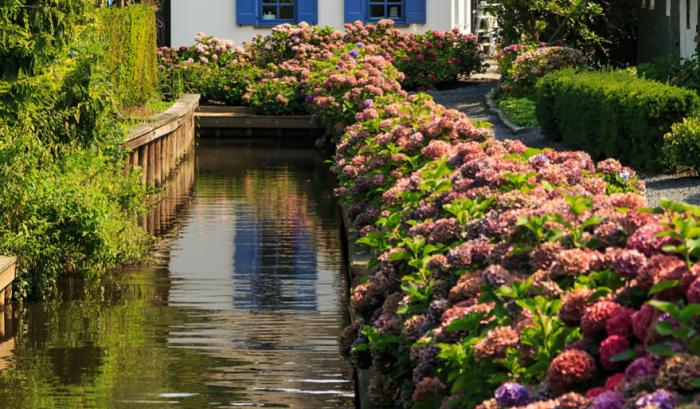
point(428, 387)
point(597, 315)
point(693, 293)
point(614, 381)
point(610, 347)
point(570, 368)
point(642, 320)
point(620, 323)
point(573, 304)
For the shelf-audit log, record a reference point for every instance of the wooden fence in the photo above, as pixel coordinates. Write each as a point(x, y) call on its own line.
point(158, 147)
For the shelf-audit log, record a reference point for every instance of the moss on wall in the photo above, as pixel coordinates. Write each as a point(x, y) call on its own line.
point(130, 36)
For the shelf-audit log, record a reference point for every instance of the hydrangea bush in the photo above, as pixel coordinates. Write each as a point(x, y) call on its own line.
point(521, 66)
point(275, 68)
point(506, 276)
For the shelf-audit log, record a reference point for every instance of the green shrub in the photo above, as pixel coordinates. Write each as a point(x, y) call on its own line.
point(130, 36)
point(520, 111)
point(673, 70)
point(34, 32)
point(682, 146)
point(612, 113)
point(225, 84)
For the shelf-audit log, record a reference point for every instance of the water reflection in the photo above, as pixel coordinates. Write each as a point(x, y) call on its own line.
point(242, 307)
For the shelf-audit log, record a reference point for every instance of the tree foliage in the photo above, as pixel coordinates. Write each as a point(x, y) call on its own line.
point(604, 29)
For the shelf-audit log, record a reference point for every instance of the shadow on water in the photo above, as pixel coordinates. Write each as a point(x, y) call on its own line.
point(241, 307)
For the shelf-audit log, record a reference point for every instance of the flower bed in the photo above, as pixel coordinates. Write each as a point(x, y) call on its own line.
point(500, 275)
point(271, 73)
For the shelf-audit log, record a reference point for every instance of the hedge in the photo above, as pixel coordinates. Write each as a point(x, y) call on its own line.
point(612, 113)
point(130, 36)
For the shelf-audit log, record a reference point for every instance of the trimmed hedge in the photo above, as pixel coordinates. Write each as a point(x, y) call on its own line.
point(130, 36)
point(612, 113)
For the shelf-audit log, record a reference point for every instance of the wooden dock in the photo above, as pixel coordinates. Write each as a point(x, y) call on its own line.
point(159, 146)
point(242, 122)
point(8, 266)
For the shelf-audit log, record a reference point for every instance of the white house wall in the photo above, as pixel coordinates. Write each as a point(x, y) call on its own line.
point(218, 18)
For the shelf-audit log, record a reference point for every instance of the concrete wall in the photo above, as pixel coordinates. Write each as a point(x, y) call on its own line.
point(218, 18)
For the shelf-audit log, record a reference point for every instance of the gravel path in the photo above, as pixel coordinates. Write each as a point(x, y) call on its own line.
point(471, 99)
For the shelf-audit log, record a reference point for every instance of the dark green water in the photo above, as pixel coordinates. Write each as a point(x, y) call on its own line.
point(241, 306)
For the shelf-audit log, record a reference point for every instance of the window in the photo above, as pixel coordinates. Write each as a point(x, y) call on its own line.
point(277, 10)
point(404, 12)
point(393, 9)
point(273, 12)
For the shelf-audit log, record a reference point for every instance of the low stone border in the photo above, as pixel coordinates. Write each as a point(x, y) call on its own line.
point(358, 259)
point(493, 106)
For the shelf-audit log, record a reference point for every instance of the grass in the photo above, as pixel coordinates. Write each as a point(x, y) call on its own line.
point(143, 113)
point(520, 111)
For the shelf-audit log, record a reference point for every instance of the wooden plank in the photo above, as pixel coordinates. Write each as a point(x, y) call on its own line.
point(226, 109)
point(7, 272)
point(256, 121)
point(164, 123)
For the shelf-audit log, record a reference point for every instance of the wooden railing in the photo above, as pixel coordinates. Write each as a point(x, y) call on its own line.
point(158, 147)
point(7, 276)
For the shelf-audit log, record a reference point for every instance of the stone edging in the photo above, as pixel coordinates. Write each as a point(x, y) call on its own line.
point(493, 106)
point(358, 259)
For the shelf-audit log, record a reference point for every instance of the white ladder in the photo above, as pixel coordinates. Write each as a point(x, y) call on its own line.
point(486, 27)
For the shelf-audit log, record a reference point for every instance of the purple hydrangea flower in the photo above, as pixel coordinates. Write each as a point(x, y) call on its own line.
point(640, 368)
point(608, 400)
point(512, 394)
point(661, 399)
point(360, 45)
point(368, 103)
point(354, 53)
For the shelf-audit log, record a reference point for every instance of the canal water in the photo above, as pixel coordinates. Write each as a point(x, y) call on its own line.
point(240, 307)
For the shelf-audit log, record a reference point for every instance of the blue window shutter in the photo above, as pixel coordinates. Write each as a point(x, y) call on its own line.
point(354, 10)
point(246, 12)
point(415, 11)
point(307, 10)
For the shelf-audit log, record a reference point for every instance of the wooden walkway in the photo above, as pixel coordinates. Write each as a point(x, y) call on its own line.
point(158, 147)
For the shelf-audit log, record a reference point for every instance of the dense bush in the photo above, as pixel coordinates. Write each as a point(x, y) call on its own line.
point(522, 66)
point(604, 30)
point(682, 146)
point(436, 57)
point(67, 206)
point(34, 32)
point(503, 276)
point(612, 113)
point(673, 70)
point(130, 36)
point(275, 68)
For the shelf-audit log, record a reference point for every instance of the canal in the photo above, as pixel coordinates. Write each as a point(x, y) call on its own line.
point(240, 306)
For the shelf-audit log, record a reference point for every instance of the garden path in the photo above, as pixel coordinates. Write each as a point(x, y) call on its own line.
point(471, 99)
